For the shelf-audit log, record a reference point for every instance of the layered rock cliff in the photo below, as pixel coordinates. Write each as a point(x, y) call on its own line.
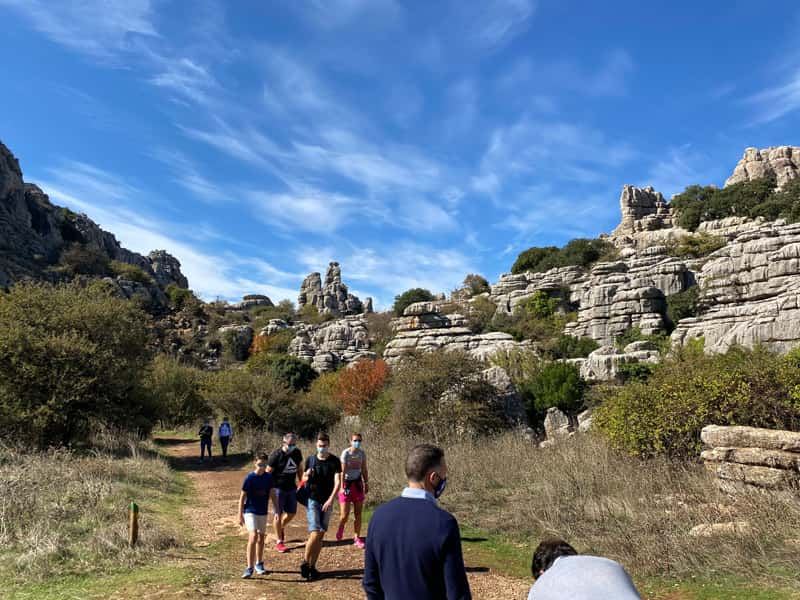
point(333, 298)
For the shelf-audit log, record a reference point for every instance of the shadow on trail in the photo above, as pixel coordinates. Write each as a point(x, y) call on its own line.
point(192, 462)
point(342, 574)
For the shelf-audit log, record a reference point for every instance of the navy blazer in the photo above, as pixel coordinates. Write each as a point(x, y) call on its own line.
point(414, 552)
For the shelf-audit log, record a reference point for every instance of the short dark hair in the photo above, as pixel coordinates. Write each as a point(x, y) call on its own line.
point(546, 554)
point(262, 456)
point(323, 437)
point(421, 460)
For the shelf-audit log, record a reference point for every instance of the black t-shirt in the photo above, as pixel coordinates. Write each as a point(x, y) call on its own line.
point(322, 477)
point(206, 431)
point(284, 468)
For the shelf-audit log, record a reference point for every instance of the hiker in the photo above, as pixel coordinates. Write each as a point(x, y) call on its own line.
point(354, 487)
point(205, 433)
point(225, 434)
point(562, 574)
point(322, 475)
point(414, 546)
point(284, 465)
point(253, 510)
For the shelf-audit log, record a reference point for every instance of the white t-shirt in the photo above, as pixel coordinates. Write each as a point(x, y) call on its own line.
point(353, 461)
point(584, 578)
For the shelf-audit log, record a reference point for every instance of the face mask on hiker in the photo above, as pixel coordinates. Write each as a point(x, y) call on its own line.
point(289, 442)
point(438, 481)
point(322, 450)
point(356, 443)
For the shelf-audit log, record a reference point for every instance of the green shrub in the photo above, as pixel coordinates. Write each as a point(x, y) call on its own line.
point(476, 284)
point(379, 328)
point(177, 392)
point(681, 305)
point(310, 314)
point(665, 414)
point(295, 373)
point(262, 315)
point(179, 297)
point(557, 384)
point(580, 252)
point(567, 346)
point(439, 395)
point(696, 245)
point(248, 398)
point(634, 334)
point(634, 372)
point(276, 343)
point(480, 313)
point(129, 272)
point(401, 301)
point(756, 198)
point(71, 356)
point(81, 259)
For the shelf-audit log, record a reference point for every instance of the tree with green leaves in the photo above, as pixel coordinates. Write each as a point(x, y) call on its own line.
point(401, 301)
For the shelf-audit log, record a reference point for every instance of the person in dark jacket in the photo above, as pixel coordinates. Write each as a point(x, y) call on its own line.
point(205, 433)
point(413, 545)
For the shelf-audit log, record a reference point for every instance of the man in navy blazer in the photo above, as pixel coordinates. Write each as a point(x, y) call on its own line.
point(414, 546)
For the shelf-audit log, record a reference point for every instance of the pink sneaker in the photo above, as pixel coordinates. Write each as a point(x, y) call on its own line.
point(340, 533)
point(358, 543)
point(281, 547)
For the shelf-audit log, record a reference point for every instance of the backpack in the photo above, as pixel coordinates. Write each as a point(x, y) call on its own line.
point(302, 487)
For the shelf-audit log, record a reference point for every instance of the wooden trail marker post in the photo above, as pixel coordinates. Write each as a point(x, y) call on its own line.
point(133, 525)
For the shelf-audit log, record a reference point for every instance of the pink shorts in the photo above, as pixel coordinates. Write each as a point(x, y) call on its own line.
point(356, 494)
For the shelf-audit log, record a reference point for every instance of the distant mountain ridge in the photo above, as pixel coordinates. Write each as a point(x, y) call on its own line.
point(35, 234)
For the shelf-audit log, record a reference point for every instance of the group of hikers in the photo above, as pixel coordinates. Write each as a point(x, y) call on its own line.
point(413, 550)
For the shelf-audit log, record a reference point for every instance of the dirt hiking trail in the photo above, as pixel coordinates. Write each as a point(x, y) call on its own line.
point(218, 543)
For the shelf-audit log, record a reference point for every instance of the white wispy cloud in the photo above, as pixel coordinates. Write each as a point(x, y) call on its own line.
point(186, 174)
point(100, 28)
point(112, 203)
point(777, 101)
point(347, 12)
point(494, 24)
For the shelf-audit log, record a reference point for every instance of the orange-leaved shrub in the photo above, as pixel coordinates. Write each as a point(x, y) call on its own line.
point(359, 385)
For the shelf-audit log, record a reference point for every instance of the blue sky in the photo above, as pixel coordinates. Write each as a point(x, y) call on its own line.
point(414, 142)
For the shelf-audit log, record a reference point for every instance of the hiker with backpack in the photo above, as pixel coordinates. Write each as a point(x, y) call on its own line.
point(354, 487)
point(225, 434)
point(322, 476)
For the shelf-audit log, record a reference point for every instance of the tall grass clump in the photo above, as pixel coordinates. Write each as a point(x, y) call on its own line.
point(64, 513)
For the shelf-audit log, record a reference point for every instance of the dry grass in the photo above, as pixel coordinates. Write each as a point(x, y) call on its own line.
point(61, 512)
point(603, 502)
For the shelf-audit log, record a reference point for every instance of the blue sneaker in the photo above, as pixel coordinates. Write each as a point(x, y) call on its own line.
point(260, 568)
point(248, 573)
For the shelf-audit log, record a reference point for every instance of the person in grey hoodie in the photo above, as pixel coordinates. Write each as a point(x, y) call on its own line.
point(562, 574)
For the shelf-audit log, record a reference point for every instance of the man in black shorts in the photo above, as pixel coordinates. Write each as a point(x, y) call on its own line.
point(284, 464)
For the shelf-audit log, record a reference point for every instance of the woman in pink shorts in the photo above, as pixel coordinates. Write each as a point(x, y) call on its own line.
point(354, 487)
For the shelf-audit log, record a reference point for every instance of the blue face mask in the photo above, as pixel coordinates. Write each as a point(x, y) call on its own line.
point(356, 445)
point(290, 448)
point(439, 489)
point(322, 451)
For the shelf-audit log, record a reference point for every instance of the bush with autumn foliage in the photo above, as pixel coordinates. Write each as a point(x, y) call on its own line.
point(359, 385)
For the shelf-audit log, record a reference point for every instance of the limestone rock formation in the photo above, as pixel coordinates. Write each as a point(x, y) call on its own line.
point(643, 209)
point(34, 233)
point(750, 292)
point(507, 394)
point(427, 331)
point(750, 456)
point(330, 344)
point(603, 364)
point(252, 301)
point(781, 162)
point(274, 326)
point(333, 298)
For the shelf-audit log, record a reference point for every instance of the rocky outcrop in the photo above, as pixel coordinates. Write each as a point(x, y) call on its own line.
point(781, 162)
point(332, 298)
point(333, 343)
point(34, 233)
point(749, 456)
point(750, 292)
point(507, 395)
point(251, 301)
point(604, 363)
point(510, 290)
point(423, 328)
point(643, 209)
point(629, 293)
